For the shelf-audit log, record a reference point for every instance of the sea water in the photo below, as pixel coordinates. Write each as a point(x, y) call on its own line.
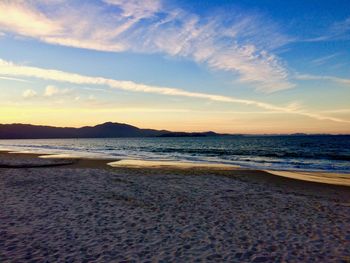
point(304, 153)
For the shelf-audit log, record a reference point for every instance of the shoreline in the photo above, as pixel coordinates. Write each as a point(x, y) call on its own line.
point(274, 161)
point(34, 160)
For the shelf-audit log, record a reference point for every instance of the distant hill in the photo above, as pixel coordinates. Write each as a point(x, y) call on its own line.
point(189, 134)
point(105, 130)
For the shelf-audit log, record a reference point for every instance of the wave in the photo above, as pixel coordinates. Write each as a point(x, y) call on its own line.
point(227, 152)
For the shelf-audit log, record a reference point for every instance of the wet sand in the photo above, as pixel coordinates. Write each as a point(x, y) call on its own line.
point(31, 160)
point(87, 211)
point(319, 177)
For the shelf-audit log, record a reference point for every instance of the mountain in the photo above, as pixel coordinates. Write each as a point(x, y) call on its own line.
point(105, 130)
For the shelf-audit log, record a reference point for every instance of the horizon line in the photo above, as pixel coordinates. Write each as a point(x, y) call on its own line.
point(164, 129)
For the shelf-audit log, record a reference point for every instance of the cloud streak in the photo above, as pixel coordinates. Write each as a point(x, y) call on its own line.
point(242, 44)
point(325, 59)
point(328, 78)
point(13, 79)
point(11, 69)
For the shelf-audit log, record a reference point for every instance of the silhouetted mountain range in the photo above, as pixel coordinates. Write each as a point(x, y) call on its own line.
point(105, 130)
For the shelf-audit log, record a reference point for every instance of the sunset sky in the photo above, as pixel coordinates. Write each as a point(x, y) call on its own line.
point(264, 66)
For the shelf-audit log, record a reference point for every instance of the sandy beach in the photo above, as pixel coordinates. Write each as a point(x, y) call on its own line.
point(61, 210)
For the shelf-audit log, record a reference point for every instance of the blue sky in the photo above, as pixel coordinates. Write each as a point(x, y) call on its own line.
point(230, 66)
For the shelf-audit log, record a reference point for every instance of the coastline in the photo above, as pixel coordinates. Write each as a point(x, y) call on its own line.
point(29, 160)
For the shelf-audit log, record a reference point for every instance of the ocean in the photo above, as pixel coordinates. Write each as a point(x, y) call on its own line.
point(302, 153)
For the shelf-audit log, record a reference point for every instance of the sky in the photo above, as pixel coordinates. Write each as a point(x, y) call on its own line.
point(244, 66)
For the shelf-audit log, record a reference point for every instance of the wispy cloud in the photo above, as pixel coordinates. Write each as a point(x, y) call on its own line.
point(325, 59)
point(341, 28)
point(242, 44)
point(328, 78)
point(11, 69)
point(13, 79)
point(137, 8)
point(337, 111)
point(337, 31)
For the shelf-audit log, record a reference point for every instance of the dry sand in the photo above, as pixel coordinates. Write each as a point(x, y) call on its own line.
point(87, 212)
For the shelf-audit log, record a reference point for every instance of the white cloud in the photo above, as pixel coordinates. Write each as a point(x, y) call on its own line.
point(29, 93)
point(237, 43)
point(24, 19)
point(11, 69)
point(50, 91)
point(53, 91)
